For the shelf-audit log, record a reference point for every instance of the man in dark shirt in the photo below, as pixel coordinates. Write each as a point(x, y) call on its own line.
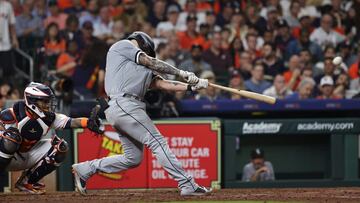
point(219, 59)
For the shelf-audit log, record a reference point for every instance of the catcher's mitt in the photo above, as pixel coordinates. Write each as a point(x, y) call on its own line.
point(94, 122)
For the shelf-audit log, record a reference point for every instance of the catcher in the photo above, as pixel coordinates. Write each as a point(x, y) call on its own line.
point(22, 128)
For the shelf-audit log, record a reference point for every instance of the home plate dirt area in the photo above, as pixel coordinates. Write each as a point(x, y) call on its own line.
point(350, 194)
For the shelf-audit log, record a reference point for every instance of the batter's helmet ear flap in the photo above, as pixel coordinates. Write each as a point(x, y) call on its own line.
point(146, 44)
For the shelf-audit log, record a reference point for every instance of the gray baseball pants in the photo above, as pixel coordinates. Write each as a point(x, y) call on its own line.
point(129, 118)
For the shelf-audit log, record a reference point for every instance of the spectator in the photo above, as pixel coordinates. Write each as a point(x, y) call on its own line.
point(29, 29)
point(40, 9)
point(292, 76)
point(235, 50)
point(226, 37)
point(205, 32)
point(210, 93)
point(219, 60)
point(87, 37)
point(327, 88)
point(307, 71)
point(269, 37)
point(176, 54)
point(236, 82)
point(341, 86)
point(114, 8)
point(163, 28)
point(66, 62)
point(278, 90)
point(91, 13)
point(305, 23)
point(350, 24)
point(5, 90)
point(8, 91)
point(308, 10)
point(345, 51)
point(210, 20)
point(292, 19)
point(196, 64)
point(89, 74)
point(76, 8)
point(325, 35)
point(191, 10)
point(103, 27)
point(133, 16)
point(72, 31)
point(8, 38)
point(329, 69)
point(245, 65)
point(356, 90)
point(272, 64)
point(257, 83)
point(28, 25)
point(254, 19)
point(305, 89)
point(238, 26)
point(258, 169)
point(329, 52)
point(269, 7)
point(157, 13)
point(354, 71)
point(162, 53)
point(227, 11)
point(190, 36)
point(117, 33)
point(251, 44)
point(17, 7)
point(273, 16)
point(295, 46)
point(283, 38)
point(55, 15)
point(53, 43)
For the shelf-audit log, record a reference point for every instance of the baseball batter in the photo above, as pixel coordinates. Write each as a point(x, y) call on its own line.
point(131, 70)
point(22, 128)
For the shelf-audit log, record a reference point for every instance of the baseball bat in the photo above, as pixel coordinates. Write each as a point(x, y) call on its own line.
point(247, 94)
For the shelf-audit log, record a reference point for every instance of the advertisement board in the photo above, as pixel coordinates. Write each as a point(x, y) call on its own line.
point(196, 144)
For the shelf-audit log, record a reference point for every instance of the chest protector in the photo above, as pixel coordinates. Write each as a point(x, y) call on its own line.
point(31, 129)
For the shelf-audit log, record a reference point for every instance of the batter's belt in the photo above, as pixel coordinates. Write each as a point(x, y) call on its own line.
point(128, 95)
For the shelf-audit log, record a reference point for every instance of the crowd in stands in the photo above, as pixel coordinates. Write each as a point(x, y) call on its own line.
point(282, 48)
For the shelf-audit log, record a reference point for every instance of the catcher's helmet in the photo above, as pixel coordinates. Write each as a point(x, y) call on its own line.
point(146, 44)
point(35, 92)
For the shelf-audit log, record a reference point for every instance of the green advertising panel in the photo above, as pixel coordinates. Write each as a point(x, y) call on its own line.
point(295, 126)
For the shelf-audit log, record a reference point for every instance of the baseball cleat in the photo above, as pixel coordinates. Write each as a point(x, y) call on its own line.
point(29, 188)
point(39, 186)
point(80, 184)
point(198, 192)
point(22, 185)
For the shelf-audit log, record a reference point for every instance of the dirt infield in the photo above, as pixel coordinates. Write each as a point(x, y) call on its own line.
point(262, 195)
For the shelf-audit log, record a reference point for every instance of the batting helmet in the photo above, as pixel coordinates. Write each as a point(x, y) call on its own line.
point(145, 42)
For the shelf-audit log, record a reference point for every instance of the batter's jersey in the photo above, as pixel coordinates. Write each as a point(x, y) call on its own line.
point(123, 74)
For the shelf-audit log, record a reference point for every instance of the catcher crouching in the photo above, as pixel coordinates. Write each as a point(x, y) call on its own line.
point(22, 128)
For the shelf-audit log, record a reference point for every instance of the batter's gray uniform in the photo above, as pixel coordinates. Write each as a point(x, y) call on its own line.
point(126, 83)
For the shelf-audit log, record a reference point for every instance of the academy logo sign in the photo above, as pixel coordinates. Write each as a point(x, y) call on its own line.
point(261, 128)
point(338, 126)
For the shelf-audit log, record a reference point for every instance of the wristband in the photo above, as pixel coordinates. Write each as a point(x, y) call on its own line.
point(84, 122)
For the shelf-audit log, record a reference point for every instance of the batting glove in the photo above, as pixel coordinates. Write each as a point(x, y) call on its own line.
point(202, 84)
point(189, 77)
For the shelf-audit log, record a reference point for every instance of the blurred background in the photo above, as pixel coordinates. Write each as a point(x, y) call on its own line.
point(281, 48)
